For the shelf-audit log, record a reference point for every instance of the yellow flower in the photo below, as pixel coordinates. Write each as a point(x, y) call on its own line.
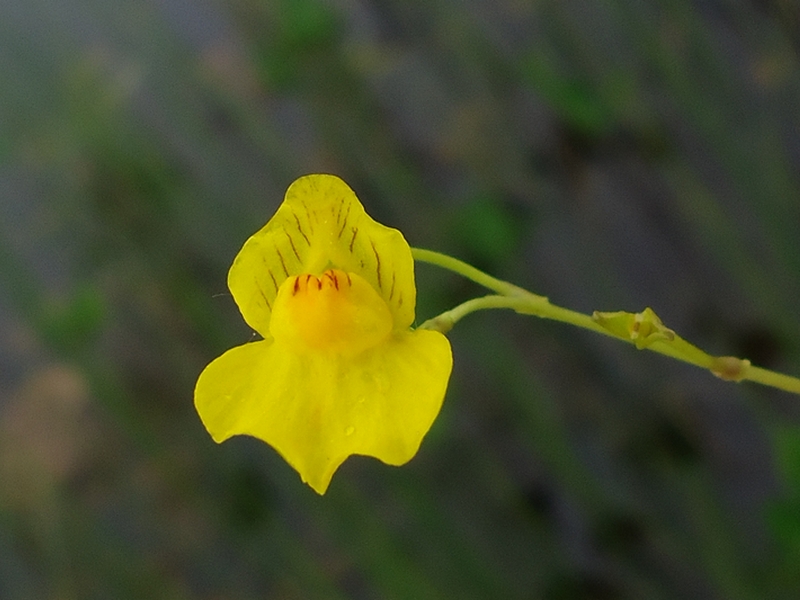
point(339, 371)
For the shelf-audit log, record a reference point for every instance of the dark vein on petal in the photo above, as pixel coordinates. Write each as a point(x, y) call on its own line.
point(391, 292)
point(263, 295)
point(283, 262)
point(291, 242)
point(300, 228)
point(308, 214)
point(344, 221)
point(339, 212)
point(353, 241)
point(377, 263)
point(269, 272)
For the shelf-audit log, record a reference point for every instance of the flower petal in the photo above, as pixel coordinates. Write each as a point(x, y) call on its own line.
point(321, 225)
point(316, 411)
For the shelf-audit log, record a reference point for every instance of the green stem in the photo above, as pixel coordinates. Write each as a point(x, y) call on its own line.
point(644, 329)
point(773, 379)
point(459, 266)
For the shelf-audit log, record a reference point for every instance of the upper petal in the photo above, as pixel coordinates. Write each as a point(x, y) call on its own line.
point(316, 412)
point(320, 225)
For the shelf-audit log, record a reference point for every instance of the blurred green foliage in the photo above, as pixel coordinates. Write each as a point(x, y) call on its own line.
point(71, 327)
point(609, 155)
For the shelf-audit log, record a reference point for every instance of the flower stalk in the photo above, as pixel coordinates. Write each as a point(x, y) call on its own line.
point(643, 330)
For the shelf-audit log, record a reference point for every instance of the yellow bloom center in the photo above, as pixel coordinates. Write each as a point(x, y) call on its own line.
point(336, 312)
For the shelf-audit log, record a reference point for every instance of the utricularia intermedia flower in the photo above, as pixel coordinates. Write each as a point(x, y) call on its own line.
point(340, 371)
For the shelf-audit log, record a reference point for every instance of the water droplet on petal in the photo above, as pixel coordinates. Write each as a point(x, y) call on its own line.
point(350, 430)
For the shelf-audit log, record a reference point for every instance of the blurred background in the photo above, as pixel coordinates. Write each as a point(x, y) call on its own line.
point(610, 155)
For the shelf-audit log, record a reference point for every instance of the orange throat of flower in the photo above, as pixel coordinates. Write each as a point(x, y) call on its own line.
point(337, 312)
